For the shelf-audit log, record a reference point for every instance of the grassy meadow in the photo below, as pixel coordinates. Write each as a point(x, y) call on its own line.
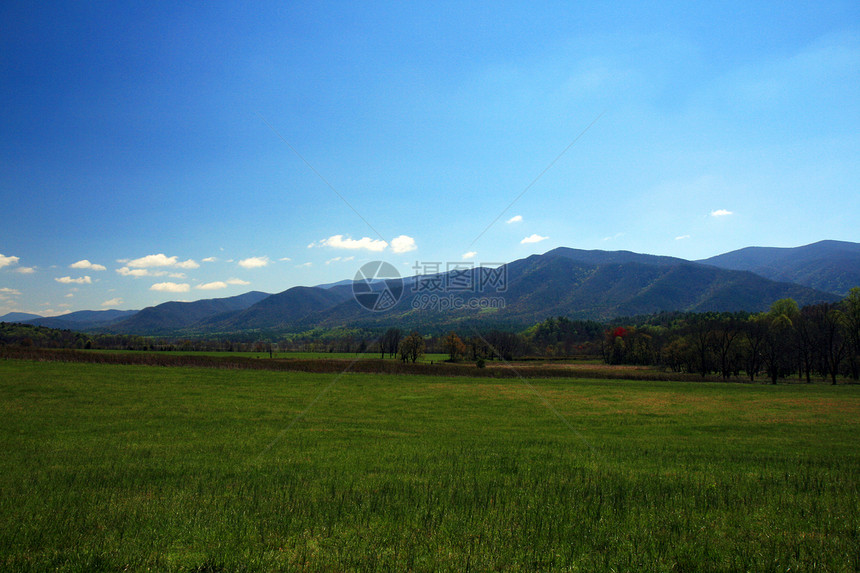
point(108, 467)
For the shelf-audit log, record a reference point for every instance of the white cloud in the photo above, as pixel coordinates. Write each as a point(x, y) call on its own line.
point(6, 261)
point(721, 213)
point(70, 295)
point(5, 291)
point(112, 302)
point(682, 237)
point(304, 265)
point(403, 244)
point(339, 242)
point(171, 287)
point(209, 259)
point(160, 260)
point(137, 273)
point(339, 259)
point(254, 262)
point(25, 270)
point(85, 264)
point(615, 236)
point(69, 280)
point(237, 282)
point(535, 238)
point(212, 286)
point(469, 255)
point(127, 272)
point(285, 259)
point(515, 219)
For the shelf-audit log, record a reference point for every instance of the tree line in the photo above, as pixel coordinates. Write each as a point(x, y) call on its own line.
point(820, 340)
point(816, 341)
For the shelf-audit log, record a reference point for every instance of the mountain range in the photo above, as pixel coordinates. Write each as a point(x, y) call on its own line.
point(576, 283)
point(82, 320)
point(830, 266)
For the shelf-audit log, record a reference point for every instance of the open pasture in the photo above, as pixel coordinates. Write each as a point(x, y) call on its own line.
point(108, 467)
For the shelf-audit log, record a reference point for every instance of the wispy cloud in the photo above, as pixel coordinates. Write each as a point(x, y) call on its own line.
point(112, 302)
point(5, 291)
point(304, 265)
point(470, 255)
point(237, 282)
point(341, 242)
point(69, 280)
point(171, 287)
point(285, 259)
point(8, 261)
point(254, 262)
point(403, 244)
point(85, 264)
point(212, 286)
point(25, 270)
point(515, 219)
point(209, 259)
point(339, 259)
point(137, 273)
point(535, 238)
point(682, 237)
point(721, 213)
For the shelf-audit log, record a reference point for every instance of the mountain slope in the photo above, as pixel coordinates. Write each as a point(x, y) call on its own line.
point(84, 319)
point(564, 286)
point(170, 317)
point(554, 284)
point(598, 257)
point(831, 266)
point(19, 317)
point(279, 310)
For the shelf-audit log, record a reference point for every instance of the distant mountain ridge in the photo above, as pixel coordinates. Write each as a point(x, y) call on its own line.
point(19, 317)
point(83, 319)
point(831, 266)
point(282, 309)
point(169, 317)
point(583, 284)
point(570, 282)
point(598, 257)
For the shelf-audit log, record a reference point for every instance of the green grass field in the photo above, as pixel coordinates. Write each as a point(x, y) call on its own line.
point(108, 467)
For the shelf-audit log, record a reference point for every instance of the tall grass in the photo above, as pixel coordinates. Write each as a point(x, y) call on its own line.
point(109, 467)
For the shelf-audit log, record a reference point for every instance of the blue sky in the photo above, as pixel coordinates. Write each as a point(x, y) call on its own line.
point(155, 152)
